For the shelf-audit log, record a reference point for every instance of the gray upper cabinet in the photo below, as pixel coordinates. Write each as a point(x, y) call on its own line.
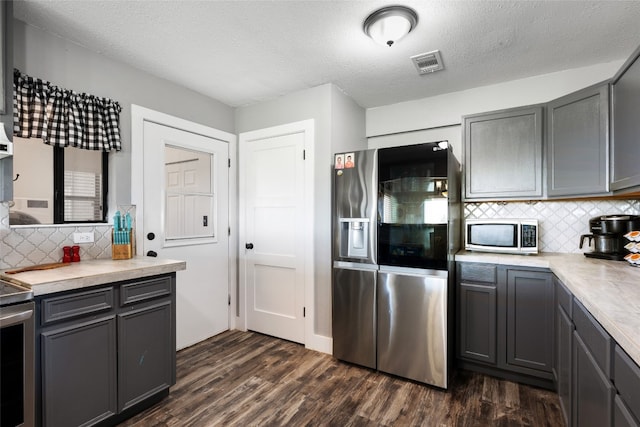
point(625, 126)
point(503, 154)
point(578, 143)
point(6, 85)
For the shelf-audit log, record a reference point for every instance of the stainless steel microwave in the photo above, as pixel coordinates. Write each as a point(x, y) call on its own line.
point(518, 236)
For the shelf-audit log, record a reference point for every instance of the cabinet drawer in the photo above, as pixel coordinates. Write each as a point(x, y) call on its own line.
point(477, 272)
point(564, 298)
point(76, 304)
point(626, 376)
point(143, 290)
point(595, 337)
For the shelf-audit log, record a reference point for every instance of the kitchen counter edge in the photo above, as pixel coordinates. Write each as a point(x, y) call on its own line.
point(92, 273)
point(610, 290)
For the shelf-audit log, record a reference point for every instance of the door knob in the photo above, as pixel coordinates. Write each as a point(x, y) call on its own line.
point(151, 236)
point(248, 245)
point(152, 254)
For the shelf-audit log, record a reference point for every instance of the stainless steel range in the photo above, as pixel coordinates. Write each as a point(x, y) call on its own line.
point(16, 356)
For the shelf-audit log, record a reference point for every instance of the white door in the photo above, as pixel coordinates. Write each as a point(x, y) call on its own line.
point(272, 186)
point(186, 217)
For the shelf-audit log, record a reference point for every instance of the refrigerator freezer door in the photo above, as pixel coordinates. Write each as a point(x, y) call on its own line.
point(354, 316)
point(412, 326)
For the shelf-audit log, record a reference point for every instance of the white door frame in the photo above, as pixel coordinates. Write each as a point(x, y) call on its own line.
point(141, 114)
point(308, 128)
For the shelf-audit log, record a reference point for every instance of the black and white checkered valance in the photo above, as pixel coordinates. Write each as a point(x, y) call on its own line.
point(62, 117)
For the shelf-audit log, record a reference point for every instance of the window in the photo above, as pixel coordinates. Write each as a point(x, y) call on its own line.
point(58, 185)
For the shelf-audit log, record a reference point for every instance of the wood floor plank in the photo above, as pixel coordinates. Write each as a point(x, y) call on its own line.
point(248, 379)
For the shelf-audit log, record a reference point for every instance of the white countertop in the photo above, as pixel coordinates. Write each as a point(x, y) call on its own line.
point(610, 290)
point(92, 272)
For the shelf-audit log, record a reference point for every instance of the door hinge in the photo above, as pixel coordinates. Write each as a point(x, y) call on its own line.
point(304, 154)
point(229, 162)
point(304, 311)
point(229, 301)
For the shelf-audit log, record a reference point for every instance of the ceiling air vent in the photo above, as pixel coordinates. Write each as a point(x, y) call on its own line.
point(428, 62)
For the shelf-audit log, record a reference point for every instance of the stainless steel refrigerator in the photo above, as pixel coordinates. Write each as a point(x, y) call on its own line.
point(396, 229)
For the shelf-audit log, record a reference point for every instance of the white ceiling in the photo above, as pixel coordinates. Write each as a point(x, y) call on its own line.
point(243, 52)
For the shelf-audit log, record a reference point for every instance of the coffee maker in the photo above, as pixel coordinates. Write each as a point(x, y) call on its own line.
point(607, 235)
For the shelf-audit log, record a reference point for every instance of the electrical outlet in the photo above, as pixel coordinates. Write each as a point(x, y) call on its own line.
point(83, 237)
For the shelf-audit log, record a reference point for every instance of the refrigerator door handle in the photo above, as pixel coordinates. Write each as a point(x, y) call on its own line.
point(355, 266)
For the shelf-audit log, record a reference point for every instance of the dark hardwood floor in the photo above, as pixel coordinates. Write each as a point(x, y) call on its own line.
point(244, 378)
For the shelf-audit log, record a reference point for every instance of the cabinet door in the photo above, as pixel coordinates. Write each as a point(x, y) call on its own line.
point(593, 393)
point(79, 373)
point(530, 313)
point(503, 154)
point(563, 363)
point(622, 417)
point(625, 126)
point(578, 143)
point(477, 322)
point(146, 353)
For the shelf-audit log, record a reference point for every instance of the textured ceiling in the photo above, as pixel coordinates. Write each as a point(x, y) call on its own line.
point(243, 52)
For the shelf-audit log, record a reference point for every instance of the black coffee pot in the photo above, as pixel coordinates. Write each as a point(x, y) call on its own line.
point(607, 234)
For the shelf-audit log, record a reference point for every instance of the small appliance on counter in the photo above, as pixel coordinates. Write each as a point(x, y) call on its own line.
point(608, 236)
point(513, 236)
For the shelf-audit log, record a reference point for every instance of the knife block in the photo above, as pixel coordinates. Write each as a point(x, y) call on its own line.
point(122, 251)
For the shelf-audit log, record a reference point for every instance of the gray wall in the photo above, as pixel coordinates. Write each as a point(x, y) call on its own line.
point(339, 125)
point(43, 55)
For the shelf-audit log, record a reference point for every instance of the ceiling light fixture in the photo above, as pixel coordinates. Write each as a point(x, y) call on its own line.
point(388, 25)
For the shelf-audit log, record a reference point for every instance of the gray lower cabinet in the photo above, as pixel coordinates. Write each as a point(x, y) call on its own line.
point(578, 143)
point(79, 372)
point(564, 339)
point(477, 322)
point(144, 353)
point(505, 323)
point(622, 417)
point(592, 366)
point(530, 326)
point(626, 377)
point(104, 351)
point(592, 391)
point(503, 152)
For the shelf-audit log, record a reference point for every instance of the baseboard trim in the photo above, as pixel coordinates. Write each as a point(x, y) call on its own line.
point(320, 343)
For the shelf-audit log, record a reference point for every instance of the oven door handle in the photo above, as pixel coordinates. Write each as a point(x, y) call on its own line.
point(10, 319)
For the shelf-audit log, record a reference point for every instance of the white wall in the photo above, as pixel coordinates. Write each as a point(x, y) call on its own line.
point(339, 123)
point(447, 109)
point(43, 55)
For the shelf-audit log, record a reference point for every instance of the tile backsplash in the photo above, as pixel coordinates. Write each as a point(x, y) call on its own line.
point(23, 246)
point(561, 223)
